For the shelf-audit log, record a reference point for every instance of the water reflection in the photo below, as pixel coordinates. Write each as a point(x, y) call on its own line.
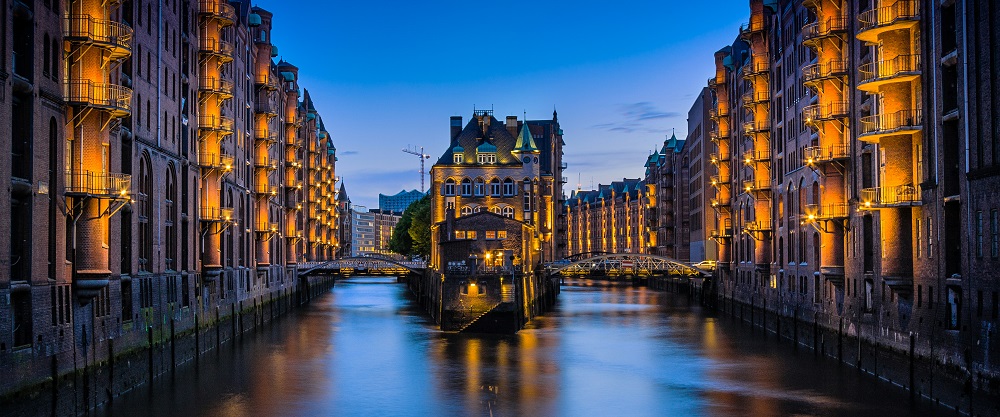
point(607, 349)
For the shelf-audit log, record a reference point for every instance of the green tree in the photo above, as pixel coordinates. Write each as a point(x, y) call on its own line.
point(420, 226)
point(400, 242)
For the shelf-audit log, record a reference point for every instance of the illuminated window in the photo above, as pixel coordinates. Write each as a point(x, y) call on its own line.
point(466, 210)
point(460, 234)
point(508, 187)
point(490, 234)
point(471, 234)
point(459, 158)
point(466, 187)
point(479, 187)
point(449, 187)
point(508, 211)
point(501, 234)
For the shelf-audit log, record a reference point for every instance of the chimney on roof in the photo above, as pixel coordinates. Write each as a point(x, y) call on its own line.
point(512, 125)
point(456, 126)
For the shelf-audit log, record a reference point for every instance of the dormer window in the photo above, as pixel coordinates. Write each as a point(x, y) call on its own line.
point(459, 158)
point(487, 158)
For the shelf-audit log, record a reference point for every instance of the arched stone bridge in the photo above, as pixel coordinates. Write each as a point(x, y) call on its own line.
point(362, 265)
point(633, 264)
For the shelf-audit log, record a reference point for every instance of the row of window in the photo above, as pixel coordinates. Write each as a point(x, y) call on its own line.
point(489, 234)
point(478, 187)
point(503, 210)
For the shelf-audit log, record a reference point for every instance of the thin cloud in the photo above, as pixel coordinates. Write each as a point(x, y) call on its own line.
point(634, 118)
point(346, 153)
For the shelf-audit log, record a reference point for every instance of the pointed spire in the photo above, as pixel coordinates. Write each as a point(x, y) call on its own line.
point(525, 143)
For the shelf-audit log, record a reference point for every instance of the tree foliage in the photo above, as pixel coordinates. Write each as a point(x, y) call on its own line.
point(412, 235)
point(400, 242)
point(420, 226)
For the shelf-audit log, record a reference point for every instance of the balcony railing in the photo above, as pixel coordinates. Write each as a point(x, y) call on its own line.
point(823, 112)
point(266, 137)
point(264, 162)
point(114, 37)
point(218, 9)
point(826, 211)
point(824, 70)
point(112, 98)
point(820, 30)
point(901, 14)
point(751, 156)
point(719, 156)
point(756, 126)
point(98, 185)
point(267, 227)
point(756, 24)
point(265, 189)
point(266, 80)
point(900, 122)
point(759, 184)
point(216, 85)
point(718, 112)
point(757, 226)
point(214, 160)
point(221, 49)
point(822, 154)
point(758, 64)
point(221, 124)
point(720, 180)
point(719, 204)
point(898, 69)
point(894, 196)
point(216, 214)
point(266, 107)
point(723, 232)
point(751, 97)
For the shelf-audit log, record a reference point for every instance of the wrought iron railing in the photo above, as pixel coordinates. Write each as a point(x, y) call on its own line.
point(891, 122)
point(96, 184)
point(893, 196)
point(117, 37)
point(115, 98)
point(889, 68)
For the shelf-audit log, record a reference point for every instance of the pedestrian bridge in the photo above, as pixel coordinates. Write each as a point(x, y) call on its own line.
point(625, 264)
point(362, 265)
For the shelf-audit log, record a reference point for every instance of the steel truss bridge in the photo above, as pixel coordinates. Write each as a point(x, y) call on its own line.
point(366, 265)
point(626, 264)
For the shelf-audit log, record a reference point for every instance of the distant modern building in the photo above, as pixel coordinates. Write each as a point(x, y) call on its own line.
point(398, 202)
point(371, 230)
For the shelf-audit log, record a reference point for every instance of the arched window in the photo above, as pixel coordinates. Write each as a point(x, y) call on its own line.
point(466, 187)
point(466, 210)
point(449, 187)
point(170, 222)
point(477, 209)
point(495, 187)
point(509, 190)
point(145, 200)
point(495, 210)
point(507, 211)
point(480, 187)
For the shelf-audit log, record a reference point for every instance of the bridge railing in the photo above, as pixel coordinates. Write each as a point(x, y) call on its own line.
point(482, 270)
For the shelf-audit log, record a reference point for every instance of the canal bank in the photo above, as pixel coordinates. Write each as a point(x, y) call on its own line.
point(923, 373)
point(98, 369)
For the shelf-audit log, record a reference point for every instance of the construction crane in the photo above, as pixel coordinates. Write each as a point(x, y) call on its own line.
point(422, 157)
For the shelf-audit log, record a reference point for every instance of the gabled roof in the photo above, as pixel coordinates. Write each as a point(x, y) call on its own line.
point(491, 133)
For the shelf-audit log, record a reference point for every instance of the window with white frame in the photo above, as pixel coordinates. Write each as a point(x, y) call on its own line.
point(466, 210)
point(507, 211)
point(449, 187)
point(458, 157)
point(480, 187)
point(495, 187)
point(466, 187)
point(509, 189)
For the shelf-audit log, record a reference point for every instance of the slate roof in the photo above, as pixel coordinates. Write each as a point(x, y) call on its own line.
point(473, 135)
point(617, 189)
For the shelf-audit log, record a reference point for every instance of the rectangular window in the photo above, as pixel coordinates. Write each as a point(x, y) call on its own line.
point(994, 234)
point(459, 234)
point(930, 238)
point(502, 234)
point(954, 301)
point(126, 300)
point(471, 234)
point(979, 234)
point(920, 295)
point(491, 234)
point(917, 238)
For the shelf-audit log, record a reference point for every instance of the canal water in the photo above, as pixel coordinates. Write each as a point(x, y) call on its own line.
point(366, 349)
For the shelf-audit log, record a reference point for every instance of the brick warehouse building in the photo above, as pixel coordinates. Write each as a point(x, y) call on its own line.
point(854, 147)
point(195, 175)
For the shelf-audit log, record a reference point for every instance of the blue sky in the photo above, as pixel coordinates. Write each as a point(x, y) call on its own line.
point(388, 74)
